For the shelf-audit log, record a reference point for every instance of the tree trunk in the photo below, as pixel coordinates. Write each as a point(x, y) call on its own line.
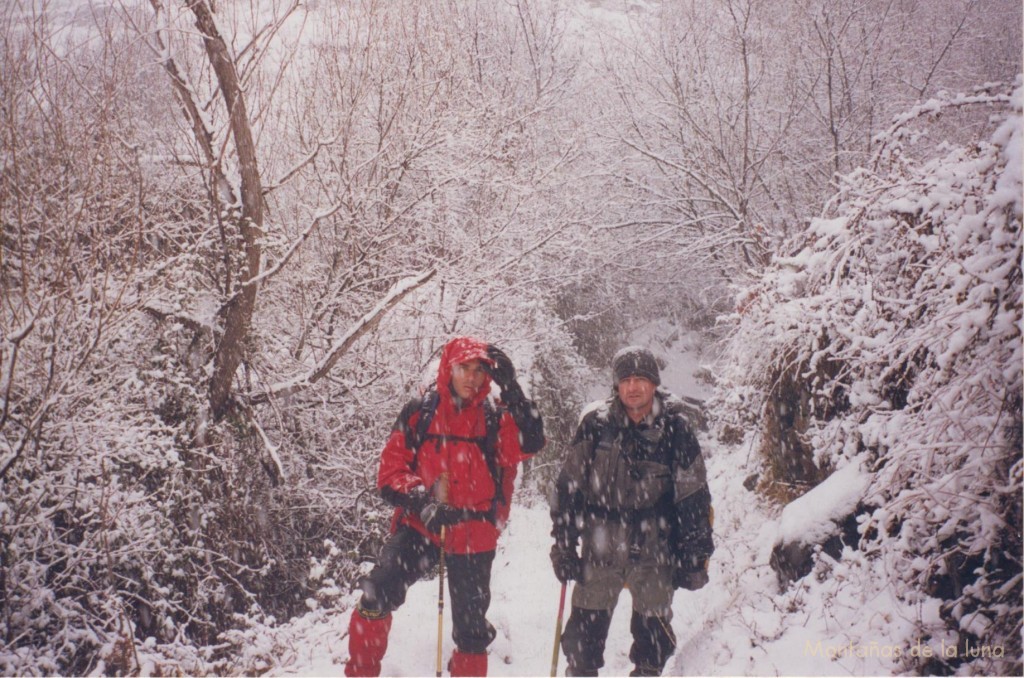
point(239, 308)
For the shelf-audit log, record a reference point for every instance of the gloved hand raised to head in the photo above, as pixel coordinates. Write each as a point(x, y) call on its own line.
point(524, 413)
point(503, 372)
point(567, 563)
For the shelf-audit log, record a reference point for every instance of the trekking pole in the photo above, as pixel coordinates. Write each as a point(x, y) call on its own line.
point(441, 493)
point(558, 631)
point(440, 605)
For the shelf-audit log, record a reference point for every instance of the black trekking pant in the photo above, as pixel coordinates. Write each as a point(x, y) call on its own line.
point(586, 631)
point(406, 558)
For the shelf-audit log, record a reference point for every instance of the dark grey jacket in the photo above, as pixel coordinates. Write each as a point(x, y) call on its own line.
point(634, 492)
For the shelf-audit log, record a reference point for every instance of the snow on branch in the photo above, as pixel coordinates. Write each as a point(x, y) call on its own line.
point(273, 270)
point(699, 179)
point(9, 353)
point(365, 324)
point(934, 106)
point(929, 109)
point(298, 166)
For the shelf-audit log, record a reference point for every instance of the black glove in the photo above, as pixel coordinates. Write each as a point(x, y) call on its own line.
point(412, 501)
point(416, 499)
point(691, 573)
point(503, 372)
point(567, 563)
point(524, 412)
point(436, 515)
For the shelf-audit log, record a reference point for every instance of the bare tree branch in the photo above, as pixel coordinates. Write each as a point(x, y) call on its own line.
point(365, 324)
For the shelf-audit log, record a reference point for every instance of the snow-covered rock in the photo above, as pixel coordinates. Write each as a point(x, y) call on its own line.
point(824, 517)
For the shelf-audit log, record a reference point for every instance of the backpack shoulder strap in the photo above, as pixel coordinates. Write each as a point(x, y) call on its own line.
point(418, 433)
point(426, 410)
point(492, 421)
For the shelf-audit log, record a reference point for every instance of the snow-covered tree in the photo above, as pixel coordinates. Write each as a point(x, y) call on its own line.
point(216, 292)
point(731, 121)
point(889, 341)
point(236, 233)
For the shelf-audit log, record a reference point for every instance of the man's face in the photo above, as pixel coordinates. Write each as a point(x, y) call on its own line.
point(637, 393)
point(467, 378)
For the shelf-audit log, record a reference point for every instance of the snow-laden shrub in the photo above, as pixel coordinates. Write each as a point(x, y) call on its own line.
point(898, 322)
point(557, 380)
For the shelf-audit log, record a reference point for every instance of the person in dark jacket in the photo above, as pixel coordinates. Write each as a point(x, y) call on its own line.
point(631, 508)
point(452, 475)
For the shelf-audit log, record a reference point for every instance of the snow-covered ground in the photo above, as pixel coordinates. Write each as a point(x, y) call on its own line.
point(739, 624)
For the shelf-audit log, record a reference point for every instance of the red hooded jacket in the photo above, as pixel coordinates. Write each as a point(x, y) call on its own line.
point(470, 485)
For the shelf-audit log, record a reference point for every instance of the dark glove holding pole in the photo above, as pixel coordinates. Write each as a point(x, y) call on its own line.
point(567, 563)
point(436, 515)
point(412, 501)
point(420, 501)
point(415, 499)
point(691, 573)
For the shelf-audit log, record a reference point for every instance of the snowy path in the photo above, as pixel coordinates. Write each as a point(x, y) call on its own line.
point(523, 610)
point(739, 624)
point(524, 607)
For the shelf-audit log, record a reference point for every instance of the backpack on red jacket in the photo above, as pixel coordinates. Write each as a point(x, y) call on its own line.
point(488, 444)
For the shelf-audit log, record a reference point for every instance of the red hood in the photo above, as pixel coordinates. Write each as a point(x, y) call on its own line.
point(461, 350)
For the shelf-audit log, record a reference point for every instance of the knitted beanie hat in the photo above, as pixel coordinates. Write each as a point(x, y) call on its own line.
point(635, 361)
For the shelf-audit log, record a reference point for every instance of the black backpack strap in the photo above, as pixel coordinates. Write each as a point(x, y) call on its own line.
point(492, 420)
point(427, 409)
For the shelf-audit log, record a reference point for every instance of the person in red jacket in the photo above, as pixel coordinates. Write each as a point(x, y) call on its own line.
point(448, 467)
